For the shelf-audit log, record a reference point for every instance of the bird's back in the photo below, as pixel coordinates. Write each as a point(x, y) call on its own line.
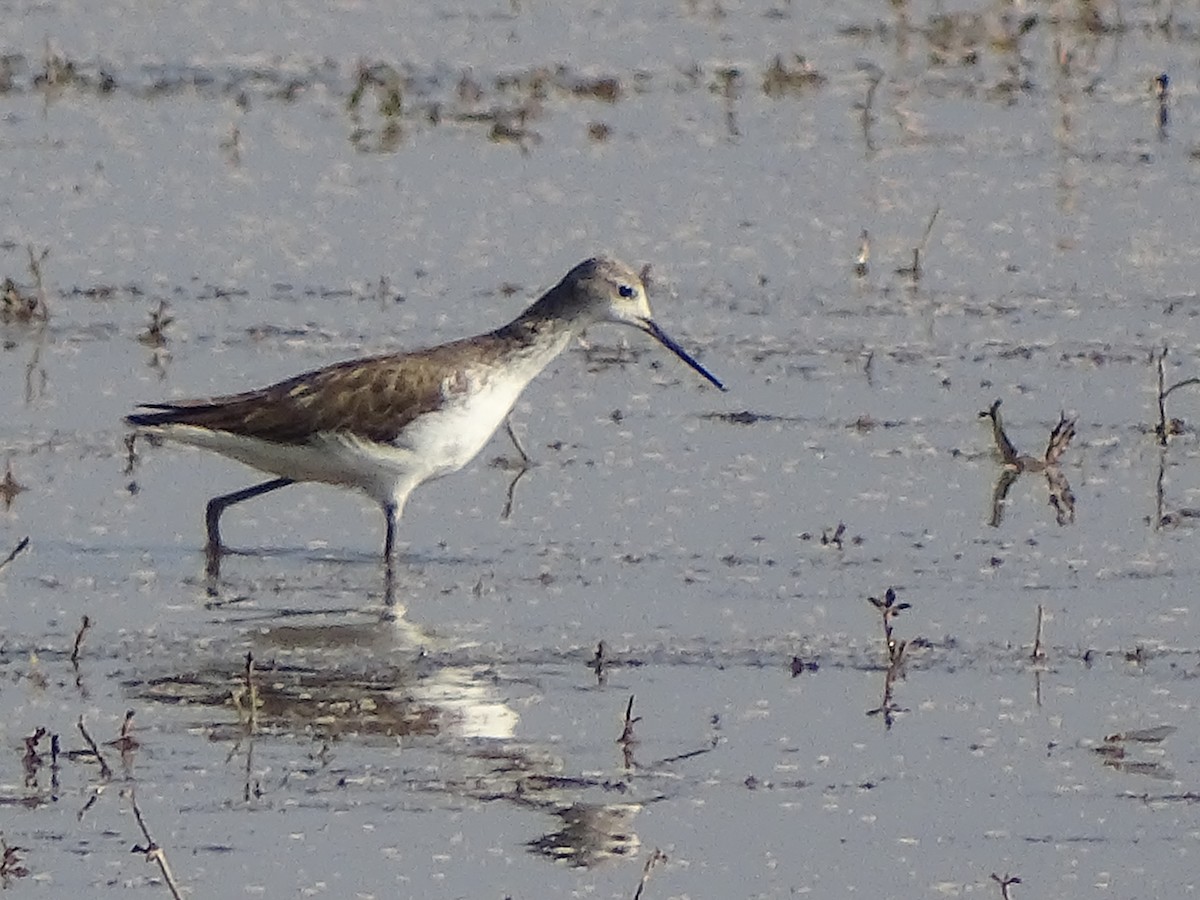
point(374, 398)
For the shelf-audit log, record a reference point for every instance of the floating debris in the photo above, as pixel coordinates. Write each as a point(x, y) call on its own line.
point(154, 334)
point(796, 78)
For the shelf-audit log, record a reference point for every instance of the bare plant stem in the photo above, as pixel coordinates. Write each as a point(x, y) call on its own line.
point(154, 853)
point(105, 771)
point(21, 545)
point(627, 740)
point(84, 625)
point(1005, 883)
point(251, 693)
point(1164, 429)
point(656, 858)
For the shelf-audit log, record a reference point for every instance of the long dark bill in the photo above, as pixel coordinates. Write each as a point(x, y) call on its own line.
point(663, 338)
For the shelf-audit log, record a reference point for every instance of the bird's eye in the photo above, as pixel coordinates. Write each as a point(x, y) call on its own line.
point(626, 291)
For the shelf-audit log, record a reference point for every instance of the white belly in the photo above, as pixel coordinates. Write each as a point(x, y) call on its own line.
point(449, 438)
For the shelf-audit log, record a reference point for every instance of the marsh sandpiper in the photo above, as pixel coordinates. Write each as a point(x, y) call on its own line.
point(385, 424)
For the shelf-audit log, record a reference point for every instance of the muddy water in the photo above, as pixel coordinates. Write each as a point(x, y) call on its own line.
point(301, 191)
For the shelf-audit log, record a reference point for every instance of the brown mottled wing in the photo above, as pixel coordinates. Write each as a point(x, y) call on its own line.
point(374, 398)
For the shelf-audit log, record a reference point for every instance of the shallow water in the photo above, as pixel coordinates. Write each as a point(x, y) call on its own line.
point(351, 181)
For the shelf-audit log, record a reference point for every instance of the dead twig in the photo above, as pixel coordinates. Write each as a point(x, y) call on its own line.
point(154, 334)
point(627, 740)
point(1166, 428)
point(32, 760)
point(630, 720)
point(1061, 496)
point(84, 624)
point(35, 270)
point(131, 458)
point(17, 305)
point(836, 538)
point(914, 271)
point(154, 853)
point(1005, 883)
point(126, 742)
point(10, 487)
point(1060, 438)
point(1038, 653)
point(1008, 452)
point(250, 787)
point(105, 771)
point(863, 259)
point(598, 662)
point(889, 610)
point(865, 109)
point(21, 545)
point(800, 666)
point(656, 858)
point(1161, 85)
point(245, 699)
point(251, 693)
point(10, 863)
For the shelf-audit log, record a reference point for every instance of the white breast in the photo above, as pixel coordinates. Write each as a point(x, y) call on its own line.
point(450, 437)
point(474, 403)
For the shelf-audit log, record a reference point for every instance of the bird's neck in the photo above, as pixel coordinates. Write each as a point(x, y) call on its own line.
point(527, 344)
point(548, 321)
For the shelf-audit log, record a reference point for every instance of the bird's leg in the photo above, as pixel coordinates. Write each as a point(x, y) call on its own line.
point(526, 461)
point(218, 505)
point(391, 515)
point(389, 584)
point(523, 467)
point(212, 571)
